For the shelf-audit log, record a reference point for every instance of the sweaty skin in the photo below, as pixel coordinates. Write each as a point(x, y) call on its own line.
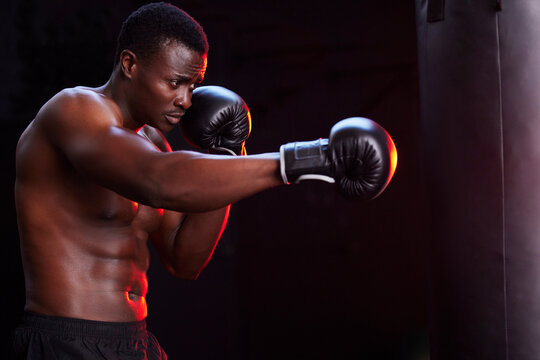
point(90, 191)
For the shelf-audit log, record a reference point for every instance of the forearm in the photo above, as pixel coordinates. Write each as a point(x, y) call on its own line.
point(195, 241)
point(193, 182)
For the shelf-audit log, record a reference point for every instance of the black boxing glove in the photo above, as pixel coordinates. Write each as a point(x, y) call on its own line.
point(218, 120)
point(364, 157)
point(359, 156)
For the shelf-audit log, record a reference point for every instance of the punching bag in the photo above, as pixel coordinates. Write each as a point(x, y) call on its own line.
point(479, 73)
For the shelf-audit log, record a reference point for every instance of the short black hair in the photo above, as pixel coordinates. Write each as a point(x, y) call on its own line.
point(152, 25)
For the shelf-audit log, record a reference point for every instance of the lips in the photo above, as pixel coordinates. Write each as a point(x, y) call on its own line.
point(174, 118)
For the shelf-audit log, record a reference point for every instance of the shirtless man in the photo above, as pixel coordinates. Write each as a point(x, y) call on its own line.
point(90, 190)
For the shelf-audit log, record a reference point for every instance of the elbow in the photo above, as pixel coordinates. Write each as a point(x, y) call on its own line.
point(189, 277)
point(185, 273)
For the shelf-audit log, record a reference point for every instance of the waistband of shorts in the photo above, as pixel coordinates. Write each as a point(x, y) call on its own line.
point(82, 327)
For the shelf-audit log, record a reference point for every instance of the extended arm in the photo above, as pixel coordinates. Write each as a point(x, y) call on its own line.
point(93, 140)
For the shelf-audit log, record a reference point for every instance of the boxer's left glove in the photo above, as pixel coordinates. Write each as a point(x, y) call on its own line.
point(359, 156)
point(218, 120)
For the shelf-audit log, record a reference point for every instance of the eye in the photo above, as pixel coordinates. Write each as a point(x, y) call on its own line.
point(174, 83)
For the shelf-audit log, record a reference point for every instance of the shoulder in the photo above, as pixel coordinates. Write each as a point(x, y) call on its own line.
point(74, 113)
point(156, 137)
point(80, 104)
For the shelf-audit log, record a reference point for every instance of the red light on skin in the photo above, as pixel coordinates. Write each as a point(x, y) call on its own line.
point(223, 226)
point(135, 208)
point(135, 294)
point(166, 144)
point(138, 305)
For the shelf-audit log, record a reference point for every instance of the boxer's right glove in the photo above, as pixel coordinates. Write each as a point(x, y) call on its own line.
point(218, 120)
point(359, 156)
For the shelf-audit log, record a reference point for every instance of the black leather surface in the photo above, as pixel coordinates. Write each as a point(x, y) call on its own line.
point(480, 89)
point(435, 11)
point(217, 118)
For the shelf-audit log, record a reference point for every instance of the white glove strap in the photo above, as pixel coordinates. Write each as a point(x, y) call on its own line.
point(228, 151)
point(282, 164)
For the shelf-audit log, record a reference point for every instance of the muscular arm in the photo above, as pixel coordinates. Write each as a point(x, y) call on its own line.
point(185, 242)
point(96, 144)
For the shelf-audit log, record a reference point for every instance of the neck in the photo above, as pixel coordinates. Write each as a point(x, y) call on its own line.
point(116, 89)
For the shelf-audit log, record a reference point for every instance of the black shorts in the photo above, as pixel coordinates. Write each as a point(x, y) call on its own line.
point(49, 337)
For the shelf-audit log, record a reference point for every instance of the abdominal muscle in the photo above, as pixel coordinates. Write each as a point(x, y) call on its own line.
point(94, 270)
point(97, 303)
point(88, 288)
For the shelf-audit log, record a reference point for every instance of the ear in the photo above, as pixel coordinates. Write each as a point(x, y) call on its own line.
point(128, 63)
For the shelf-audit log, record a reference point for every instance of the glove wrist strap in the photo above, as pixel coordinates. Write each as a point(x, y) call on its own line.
point(222, 151)
point(305, 161)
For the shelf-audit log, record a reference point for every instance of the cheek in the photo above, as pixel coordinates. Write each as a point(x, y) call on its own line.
point(154, 96)
point(161, 93)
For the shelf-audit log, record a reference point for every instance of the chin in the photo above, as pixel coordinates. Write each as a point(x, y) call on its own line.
point(160, 125)
point(164, 127)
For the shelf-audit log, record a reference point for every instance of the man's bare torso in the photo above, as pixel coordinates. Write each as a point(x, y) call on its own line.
point(84, 248)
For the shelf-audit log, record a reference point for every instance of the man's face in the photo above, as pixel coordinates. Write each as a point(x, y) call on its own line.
point(164, 84)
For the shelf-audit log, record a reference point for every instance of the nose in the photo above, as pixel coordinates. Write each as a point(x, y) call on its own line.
point(183, 99)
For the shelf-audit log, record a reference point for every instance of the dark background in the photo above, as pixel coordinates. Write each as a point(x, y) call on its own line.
point(300, 272)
